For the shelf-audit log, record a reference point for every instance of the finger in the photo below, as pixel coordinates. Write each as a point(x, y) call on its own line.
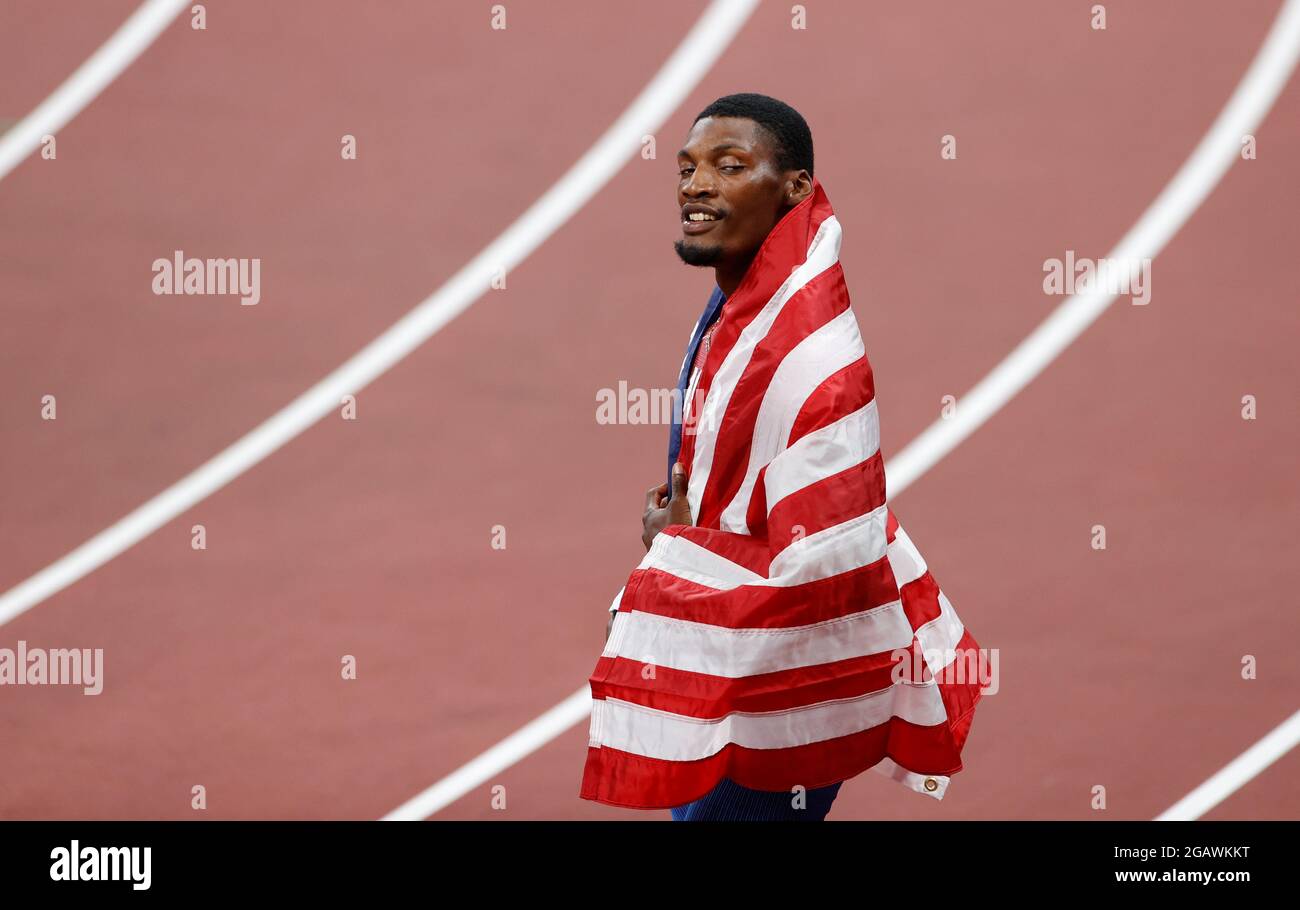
point(680, 512)
point(654, 496)
point(679, 481)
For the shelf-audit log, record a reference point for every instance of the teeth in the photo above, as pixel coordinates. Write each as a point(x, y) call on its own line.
point(700, 216)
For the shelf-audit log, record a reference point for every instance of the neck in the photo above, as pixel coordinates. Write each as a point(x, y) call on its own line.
point(731, 274)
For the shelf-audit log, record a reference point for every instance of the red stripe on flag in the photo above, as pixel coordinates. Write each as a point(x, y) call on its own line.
point(762, 606)
point(844, 391)
point(708, 697)
point(796, 321)
point(921, 600)
point(638, 782)
point(827, 503)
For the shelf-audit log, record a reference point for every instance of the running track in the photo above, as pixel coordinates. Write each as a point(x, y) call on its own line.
point(372, 538)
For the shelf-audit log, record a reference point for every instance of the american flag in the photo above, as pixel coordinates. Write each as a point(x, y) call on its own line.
point(764, 644)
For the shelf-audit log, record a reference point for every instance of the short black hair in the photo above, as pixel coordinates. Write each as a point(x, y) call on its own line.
point(786, 126)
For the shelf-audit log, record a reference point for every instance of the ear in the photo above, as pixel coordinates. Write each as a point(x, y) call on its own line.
point(798, 187)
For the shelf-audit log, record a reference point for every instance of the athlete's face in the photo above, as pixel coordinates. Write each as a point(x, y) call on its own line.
point(730, 190)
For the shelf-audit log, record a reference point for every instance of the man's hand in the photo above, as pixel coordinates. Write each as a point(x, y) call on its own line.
point(660, 513)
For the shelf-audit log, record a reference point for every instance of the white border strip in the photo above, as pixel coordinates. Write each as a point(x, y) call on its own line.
point(662, 95)
point(1236, 773)
point(88, 80)
point(1202, 171)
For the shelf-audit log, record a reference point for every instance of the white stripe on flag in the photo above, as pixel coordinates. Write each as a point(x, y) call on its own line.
point(696, 647)
point(823, 453)
point(911, 779)
point(939, 637)
point(662, 735)
point(823, 252)
point(842, 548)
point(905, 559)
point(850, 545)
point(811, 362)
point(687, 559)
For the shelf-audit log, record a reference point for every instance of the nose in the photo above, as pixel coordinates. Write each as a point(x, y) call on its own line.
point(699, 184)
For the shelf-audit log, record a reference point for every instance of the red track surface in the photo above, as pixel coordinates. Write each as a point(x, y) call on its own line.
point(372, 538)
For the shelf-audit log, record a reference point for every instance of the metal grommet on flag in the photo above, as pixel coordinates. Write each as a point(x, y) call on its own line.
point(931, 784)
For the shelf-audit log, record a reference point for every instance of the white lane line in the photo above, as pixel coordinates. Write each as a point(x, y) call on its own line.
point(662, 95)
point(1236, 773)
point(1202, 171)
point(1200, 174)
point(510, 750)
point(88, 80)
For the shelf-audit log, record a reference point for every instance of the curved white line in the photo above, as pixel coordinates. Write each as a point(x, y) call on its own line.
point(1246, 766)
point(87, 81)
point(1237, 772)
point(1202, 171)
point(1200, 174)
point(523, 742)
point(661, 96)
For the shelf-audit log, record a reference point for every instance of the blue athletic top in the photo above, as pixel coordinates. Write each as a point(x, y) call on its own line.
point(707, 318)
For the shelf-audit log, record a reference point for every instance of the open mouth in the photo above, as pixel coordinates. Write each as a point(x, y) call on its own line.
point(698, 219)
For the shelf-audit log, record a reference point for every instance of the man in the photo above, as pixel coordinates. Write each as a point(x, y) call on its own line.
point(782, 634)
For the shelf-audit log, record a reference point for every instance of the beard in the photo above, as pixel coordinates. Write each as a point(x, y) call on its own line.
point(697, 255)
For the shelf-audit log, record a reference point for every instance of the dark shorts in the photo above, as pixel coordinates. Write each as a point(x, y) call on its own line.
point(729, 801)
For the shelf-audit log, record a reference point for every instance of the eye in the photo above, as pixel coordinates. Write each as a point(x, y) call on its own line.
point(686, 169)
